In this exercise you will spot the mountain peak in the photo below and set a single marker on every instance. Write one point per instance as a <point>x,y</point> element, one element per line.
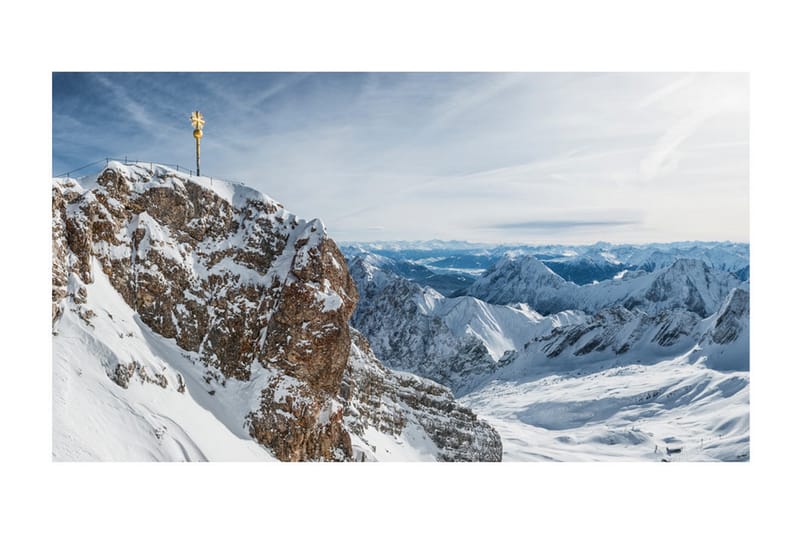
<point>688,264</point>
<point>528,266</point>
<point>173,281</point>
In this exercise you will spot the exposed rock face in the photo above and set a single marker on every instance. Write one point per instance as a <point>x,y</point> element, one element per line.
<point>59,251</point>
<point>732,319</point>
<point>617,330</point>
<point>393,401</point>
<point>299,423</point>
<point>405,331</point>
<point>727,340</point>
<point>230,275</point>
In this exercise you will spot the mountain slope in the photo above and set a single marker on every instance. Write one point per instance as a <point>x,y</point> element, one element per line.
<point>178,304</point>
<point>453,341</point>
<point>523,278</point>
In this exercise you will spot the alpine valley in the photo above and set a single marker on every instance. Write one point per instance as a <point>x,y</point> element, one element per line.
<point>198,319</point>
<point>599,352</point>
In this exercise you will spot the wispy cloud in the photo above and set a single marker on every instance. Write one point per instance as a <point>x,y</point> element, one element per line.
<point>658,157</point>
<point>665,91</point>
<point>561,224</point>
<point>132,109</point>
<point>442,155</point>
<point>463,100</point>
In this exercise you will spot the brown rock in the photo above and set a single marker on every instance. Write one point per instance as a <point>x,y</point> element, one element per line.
<point>152,231</point>
<point>247,285</point>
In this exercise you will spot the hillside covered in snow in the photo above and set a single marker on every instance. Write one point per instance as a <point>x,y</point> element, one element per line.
<point>203,321</point>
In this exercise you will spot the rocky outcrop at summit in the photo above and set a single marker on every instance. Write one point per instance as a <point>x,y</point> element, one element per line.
<point>230,275</point>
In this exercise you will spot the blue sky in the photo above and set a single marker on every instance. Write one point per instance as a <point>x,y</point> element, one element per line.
<point>490,157</point>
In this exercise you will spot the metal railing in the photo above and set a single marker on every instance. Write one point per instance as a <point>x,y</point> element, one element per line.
<point>105,161</point>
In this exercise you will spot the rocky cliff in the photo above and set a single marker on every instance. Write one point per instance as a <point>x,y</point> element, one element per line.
<point>251,294</point>
<point>396,402</point>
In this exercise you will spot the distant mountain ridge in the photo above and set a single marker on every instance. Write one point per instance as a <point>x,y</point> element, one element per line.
<point>581,264</point>
<point>688,283</point>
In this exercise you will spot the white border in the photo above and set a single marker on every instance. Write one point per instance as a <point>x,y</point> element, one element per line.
<point>420,36</point>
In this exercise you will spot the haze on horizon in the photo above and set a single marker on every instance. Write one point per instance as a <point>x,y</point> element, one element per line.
<point>568,158</point>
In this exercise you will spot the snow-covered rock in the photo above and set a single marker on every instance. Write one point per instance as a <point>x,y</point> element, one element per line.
<point>725,344</point>
<point>586,268</point>
<point>449,340</point>
<point>524,278</point>
<point>400,416</point>
<point>727,257</point>
<point>216,303</point>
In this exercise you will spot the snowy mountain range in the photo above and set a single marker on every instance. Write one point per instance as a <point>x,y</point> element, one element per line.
<point>685,283</point>
<point>681,332</point>
<point>203,321</point>
<point>581,264</point>
<point>450,340</point>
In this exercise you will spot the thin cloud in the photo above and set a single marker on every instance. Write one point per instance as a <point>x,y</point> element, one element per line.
<point>466,100</point>
<point>658,158</point>
<point>562,224</point>
<point>442,154</point>
<point>665,91</point>
<point>133,109</point>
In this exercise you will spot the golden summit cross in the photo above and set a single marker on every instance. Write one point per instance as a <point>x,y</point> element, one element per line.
<point>198,122</point>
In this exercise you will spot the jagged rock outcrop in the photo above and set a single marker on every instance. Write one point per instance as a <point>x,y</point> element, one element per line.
<point>59,251</point>
<point>418,330</point>
<point>727,339</point>
<point>395,401</point>
<point>631,335</point>
<point>732,318</point>
<point>231,276</point>
<point>618,330</point>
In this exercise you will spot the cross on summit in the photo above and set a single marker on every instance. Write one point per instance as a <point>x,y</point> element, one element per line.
<point>197,120</point>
